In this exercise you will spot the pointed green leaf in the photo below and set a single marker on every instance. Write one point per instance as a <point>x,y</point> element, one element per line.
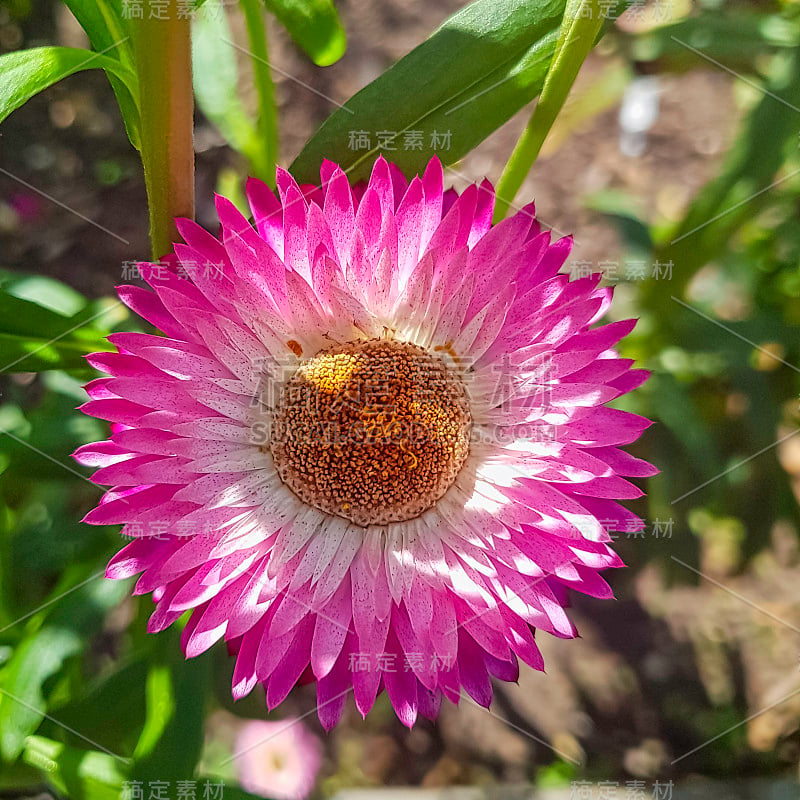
<point>104,25</point>
<point>25,73</point>
<point>447,95</point>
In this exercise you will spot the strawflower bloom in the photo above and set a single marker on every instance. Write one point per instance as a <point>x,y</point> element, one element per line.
<point>278,759</point>
<point>371,449</point>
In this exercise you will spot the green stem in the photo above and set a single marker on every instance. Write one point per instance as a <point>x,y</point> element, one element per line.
<point>582,22</point>
<point>519,165</point>
<point>162,47</point>
<point>265,156</point>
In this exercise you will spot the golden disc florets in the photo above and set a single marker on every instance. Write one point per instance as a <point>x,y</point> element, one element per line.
<point>373,431</point>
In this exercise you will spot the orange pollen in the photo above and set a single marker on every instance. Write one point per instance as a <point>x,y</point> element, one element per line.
<point>373,431</point>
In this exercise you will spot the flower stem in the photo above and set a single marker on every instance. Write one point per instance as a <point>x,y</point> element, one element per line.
<point>265,156</point>
<point>580,26</point>
<point>162,47</point>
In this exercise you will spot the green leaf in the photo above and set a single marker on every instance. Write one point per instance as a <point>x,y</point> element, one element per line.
<point>216,79</point>
<point>22,702</point>
<point>736,38</point>
<point>35,338</point>
<point>112,710</point>
<point>767,137</point>
<point>78,774</point>
<point>44,291</point>
<point>472,75</point>
<point>104,25</point>
<point>160,709</point>
<point>36,447</point>
<point>314,25</point>
<point>172,739</point>
<point>25,73</point>
<point>41,655</point>
<point>624,212</point>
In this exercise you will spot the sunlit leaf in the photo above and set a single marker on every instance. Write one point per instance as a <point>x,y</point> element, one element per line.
<point>22,703</point>
<point>44,291</point>
<point>25,73</point>
<point>104,25</point>
<point>78,774</point>
<point>314,25</point>
<point>34,338</point>
<point>447,95</point>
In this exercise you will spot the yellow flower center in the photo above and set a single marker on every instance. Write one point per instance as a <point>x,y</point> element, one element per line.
<point>373,431</point>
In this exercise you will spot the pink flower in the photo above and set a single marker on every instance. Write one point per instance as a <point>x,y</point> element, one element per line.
<point>371,448</point>
<point>278,759</point>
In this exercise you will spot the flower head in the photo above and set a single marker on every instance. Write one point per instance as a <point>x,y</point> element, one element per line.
<point>371,448</point>
<point>278,759</point>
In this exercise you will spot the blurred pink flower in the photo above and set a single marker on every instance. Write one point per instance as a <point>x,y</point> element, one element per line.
<point>278,759</point>
<point>27,206</point>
